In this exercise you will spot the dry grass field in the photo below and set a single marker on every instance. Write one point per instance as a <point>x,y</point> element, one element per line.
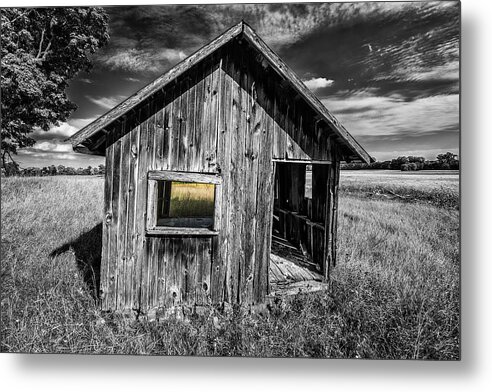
<point>191,199</point>
<point>395,291</point>
<point>437,187</point>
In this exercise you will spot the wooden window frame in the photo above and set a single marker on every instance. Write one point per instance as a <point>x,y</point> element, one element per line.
<point>166,175</point>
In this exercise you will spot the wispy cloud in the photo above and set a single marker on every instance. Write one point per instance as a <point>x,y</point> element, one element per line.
<point>106,102</point>
<point>48,154</point>
<point>142,60</point>
<point>392,124</point>
<point>367,115</point>
<point>139,34</point>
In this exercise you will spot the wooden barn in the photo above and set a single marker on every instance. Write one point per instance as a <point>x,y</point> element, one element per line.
<point>205,190</point>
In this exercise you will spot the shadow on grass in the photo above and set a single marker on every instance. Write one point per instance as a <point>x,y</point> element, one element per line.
<point>87,249</point>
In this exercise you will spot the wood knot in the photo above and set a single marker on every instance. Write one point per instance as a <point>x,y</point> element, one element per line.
<point>250,155</point>
<point>134,150</point>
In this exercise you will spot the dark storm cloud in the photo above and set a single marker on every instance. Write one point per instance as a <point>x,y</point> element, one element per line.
<point>154,38</point>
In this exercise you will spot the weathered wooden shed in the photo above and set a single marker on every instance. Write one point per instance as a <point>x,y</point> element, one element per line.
<point>232,116</point>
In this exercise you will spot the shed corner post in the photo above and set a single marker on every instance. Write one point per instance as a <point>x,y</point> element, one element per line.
<point>331,217</point>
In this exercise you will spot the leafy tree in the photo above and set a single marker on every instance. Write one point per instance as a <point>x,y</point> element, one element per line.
<point>41,50</point>
<point>448,161</point>
<point>398,162</point>
<point>412,166</point>
<point>69,170</point>
<point>10,168</point>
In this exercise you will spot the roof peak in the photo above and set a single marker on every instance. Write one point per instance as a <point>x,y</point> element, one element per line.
<point>83,140</point>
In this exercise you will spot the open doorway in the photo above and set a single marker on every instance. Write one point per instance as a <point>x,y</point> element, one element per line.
<point>298,230</point>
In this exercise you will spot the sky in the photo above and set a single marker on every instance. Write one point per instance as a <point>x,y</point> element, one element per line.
<point>388,71</point>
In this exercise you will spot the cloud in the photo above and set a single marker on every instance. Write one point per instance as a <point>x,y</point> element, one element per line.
<point>142,60</point>
<point>396,64</point>
<point>383,116</point>
<point>150,38</point>
<point>79,123</point>
<point>407,48</point>
<point>62,131</point>
<point>393,124</point>
<point>36,157</point>
<point>39,153</point>
<point>318,83</point>
<point>52,155</point>
<point>106,102</point>
<point>450,71</point>
<point>53,146</point>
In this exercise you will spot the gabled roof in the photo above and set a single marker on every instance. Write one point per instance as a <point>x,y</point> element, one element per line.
<point>83,139</point>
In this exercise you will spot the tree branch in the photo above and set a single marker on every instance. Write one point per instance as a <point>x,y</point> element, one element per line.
<point>18,16</point>
<point>40,44</point>
<point>47,49</point>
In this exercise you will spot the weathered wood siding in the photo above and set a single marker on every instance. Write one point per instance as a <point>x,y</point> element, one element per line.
<point>230,116</point>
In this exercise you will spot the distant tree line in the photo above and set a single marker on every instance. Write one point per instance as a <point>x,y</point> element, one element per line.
<point>53,170</point>
<point>447,161</point>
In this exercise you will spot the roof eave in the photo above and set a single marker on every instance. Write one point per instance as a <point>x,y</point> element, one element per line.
<point>153,87</point>
<point>284,71</point>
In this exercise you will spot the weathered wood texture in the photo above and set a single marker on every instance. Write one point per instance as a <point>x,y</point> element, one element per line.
<point>229,116</point>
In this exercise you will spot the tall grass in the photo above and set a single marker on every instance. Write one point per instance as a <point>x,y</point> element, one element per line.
<point>395,291</point>
<point>191,199</point>
<point>439,188</point>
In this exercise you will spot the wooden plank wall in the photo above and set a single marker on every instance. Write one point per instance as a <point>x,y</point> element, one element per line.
<point>177,130</point>
<point>225,116</point>
<point>298,135</point>
<point>245,159</point>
